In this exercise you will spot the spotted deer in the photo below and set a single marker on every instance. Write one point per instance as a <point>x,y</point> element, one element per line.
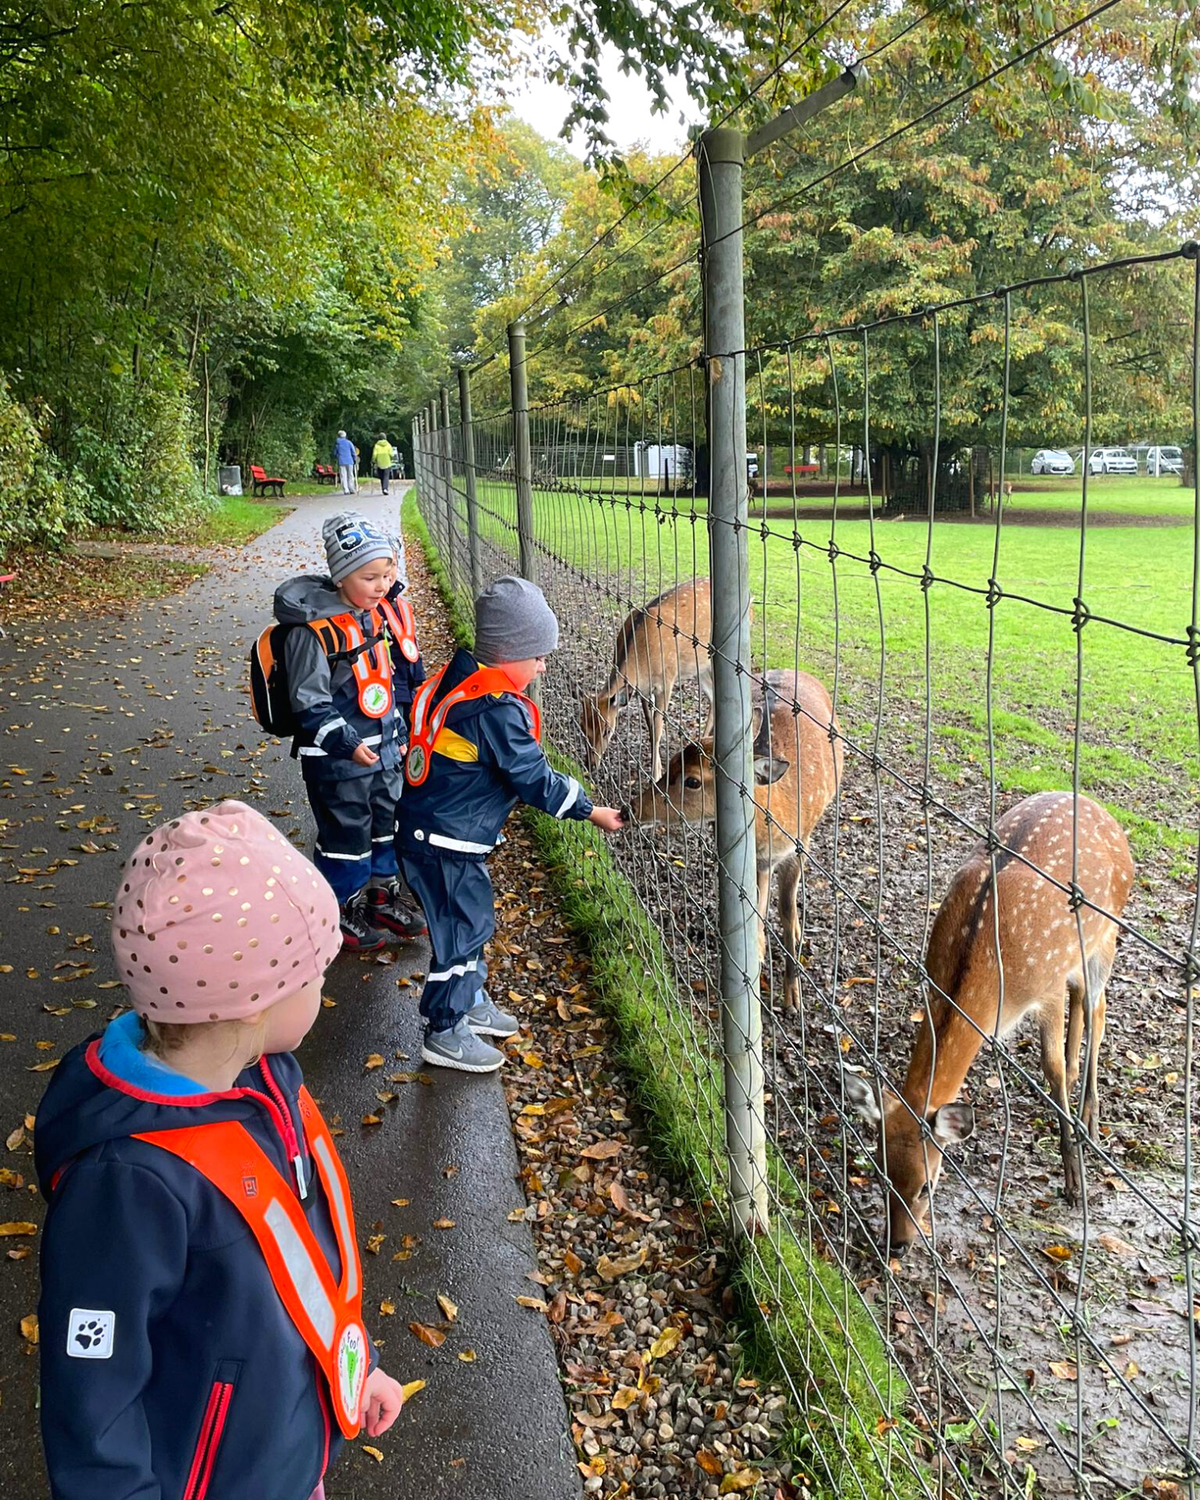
<point>1041,968</point>
<point>797,766</point>
<point>656,648</point>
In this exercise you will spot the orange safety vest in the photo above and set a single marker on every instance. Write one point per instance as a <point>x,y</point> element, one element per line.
<point>427,726</point>
<point>327,1314</point>
<point>372,666</point>
<point>403,623</point>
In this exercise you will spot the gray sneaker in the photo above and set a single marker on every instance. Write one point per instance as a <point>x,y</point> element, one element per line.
<point>485,1018</point>
<point>460,1048</point>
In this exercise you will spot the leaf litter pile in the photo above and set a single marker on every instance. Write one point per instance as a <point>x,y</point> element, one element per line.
<point>628,1277</point>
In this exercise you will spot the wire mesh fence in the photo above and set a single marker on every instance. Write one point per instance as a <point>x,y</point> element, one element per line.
<point>978,1260</point>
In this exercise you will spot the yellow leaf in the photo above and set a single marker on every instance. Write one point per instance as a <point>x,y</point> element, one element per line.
<point>665,1342</point>
<point>443,1223</point>
<point>401,1202</point>
<point>532,1060</point>
<point>18,1227</point>
<point>1057,1252</point>
<point>374,1452</point>
<point>434,1337</point>
<point>449,1310</point>
<point>44,1067</point>
<point>15,1138</point>
<point>410,1390</point>
<point>534,1302</point>
<point>572,1262</point>
<point>624,1398</point>
<point>709,1462</point>
<point>29,1328</point>
<point>374,1241</point>
<point>744,1479</point>
<point>387,1308</point>
<point>610,1269</point>
<point>467,1356</point>
<point>372,1119</point>
<point>374,1061</point>
<point>1063,1369</point>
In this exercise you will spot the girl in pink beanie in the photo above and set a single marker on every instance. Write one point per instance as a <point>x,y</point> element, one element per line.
<point>200,1315</point>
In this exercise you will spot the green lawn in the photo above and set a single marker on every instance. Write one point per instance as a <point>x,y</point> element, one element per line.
<point>234,520</point>
<point>1142,496</point>
<point>1140,740</point>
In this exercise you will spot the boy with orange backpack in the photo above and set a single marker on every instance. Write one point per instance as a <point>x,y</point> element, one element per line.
<point>341,688</point>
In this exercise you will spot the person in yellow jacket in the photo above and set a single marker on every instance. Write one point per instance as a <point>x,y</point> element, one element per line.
<point>382,460</point>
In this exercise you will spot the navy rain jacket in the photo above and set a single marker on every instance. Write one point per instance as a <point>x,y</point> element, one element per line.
<point>486,761</point>
<point>324,696</point>
<point>198,1332</point>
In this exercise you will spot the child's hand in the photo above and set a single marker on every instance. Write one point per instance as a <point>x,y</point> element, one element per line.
<point>608,818</point>
<point>382,1399</point>
<point>364,755</point>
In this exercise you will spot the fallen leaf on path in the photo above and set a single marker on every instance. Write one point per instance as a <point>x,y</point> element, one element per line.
<point>603,1150</point>
<point>443,1223</point>
<point>29,1328</point>
<point>374,1452</point>
<point>625,1398</point>
<point>468,1356</point>
<point>434,1337</point>
<point>610,1269</point>
<point>535,1303</point>
<point>387,1308</point>
<point>17,1226</point>
<point>1114,1245</point>
<point>665,1342</point>
<point>409,1390</point>
<point>449,1310</point>
<point>372,1119</point>
<point>374,1241</point>
<point>744,1479</point>
<point>375,1060</point>
<point>15,1138</point>
<point>1063,1369</point>
<point>708,1461</point>
<point>1057,1252</point>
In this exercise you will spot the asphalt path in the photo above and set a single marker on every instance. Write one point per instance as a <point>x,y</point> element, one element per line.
<point>108,726</point>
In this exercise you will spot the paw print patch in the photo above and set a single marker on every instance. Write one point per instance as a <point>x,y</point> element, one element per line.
<point>90,1333</point>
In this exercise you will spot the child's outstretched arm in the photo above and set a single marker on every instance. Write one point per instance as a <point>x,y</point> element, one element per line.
<point>114,1253</point>
<point>531,776</point>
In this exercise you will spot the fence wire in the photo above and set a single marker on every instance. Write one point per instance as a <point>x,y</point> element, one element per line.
<point>934,643</point>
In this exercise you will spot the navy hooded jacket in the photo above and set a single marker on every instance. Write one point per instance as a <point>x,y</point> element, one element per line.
<point>169,1367</point>
<point>486,761</point>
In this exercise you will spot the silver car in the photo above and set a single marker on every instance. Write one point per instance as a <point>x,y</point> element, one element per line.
<point>1112,461</point>
<point>1052,461</point>
<point>1164,461</point>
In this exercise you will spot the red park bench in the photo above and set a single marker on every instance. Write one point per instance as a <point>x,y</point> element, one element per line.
<point>261,482</point>
<point>324,474</point>
<point>802,468</point>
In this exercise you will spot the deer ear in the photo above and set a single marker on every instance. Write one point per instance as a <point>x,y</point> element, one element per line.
<point>952,1123</point>
<point>769,768</point>
<point>862,1096</point>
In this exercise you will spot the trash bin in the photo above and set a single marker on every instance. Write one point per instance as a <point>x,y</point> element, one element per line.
<point>229,479</point>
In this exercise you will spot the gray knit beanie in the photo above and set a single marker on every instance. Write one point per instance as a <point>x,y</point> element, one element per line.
<point>351,542</point>
<point>513,622</point>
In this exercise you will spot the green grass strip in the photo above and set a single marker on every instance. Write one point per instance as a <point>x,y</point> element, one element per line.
<point>804,1321</point>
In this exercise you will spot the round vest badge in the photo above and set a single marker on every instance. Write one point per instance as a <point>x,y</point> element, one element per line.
<point>375,700</point>
<point>409,648</point>
<point>351,1368</point>
<point>416,763</point>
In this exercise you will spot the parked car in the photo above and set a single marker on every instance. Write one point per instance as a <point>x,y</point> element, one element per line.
<point>1112,461</point>
<point>1052,461</point>
<point>1164,461</point>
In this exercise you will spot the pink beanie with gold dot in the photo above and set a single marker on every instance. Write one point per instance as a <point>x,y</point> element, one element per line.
<point>217,917</point>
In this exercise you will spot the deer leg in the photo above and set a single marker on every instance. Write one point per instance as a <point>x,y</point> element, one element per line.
<point>1055,1073</point>
<point>1099,968</point>
<point>1076,1011</point>
<point>789,919</point>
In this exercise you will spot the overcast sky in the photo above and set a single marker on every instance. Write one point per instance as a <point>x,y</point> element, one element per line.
<point>544,106</point>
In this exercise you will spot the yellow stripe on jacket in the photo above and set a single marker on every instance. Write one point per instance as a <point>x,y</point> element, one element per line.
<point>454,747</point>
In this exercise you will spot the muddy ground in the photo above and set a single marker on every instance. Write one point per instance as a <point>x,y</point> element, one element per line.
<point>1050,1349</point>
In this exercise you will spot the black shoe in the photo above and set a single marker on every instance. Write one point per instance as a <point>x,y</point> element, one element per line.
<point>358,933</point>
<point>385,909</point>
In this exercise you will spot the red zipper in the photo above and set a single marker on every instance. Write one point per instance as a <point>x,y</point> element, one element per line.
<point>291,1142</point>
<point>211,1430</point>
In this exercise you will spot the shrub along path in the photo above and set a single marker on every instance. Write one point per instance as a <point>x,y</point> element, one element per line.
<point>108,725</point>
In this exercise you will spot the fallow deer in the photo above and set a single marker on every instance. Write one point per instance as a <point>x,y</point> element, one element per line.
<point>663,643</point>
<point>1041,968</point>
<point>797,766</point>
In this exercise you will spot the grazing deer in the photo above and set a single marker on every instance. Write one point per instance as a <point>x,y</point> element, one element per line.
<point>797,767</point>
<point>1041,965</point>
<point>655,648</point>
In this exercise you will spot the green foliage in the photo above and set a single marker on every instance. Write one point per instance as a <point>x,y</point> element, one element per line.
<point>38,503</point>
